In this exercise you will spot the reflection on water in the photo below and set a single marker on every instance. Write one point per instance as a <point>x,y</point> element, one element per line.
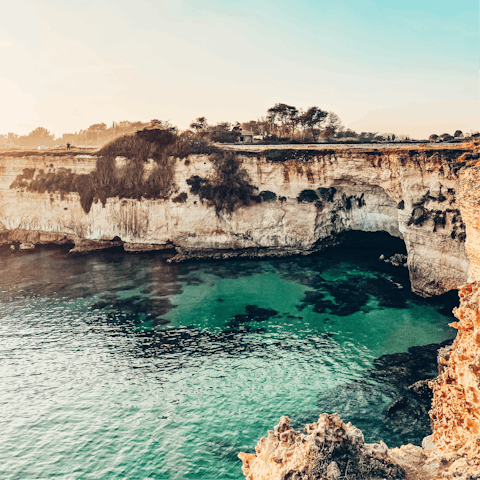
<point>116,365</point>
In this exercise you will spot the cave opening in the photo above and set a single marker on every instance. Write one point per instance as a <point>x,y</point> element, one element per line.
<point>367,248</point>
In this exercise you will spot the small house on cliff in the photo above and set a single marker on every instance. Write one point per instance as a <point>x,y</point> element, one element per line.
<point>246,136</point>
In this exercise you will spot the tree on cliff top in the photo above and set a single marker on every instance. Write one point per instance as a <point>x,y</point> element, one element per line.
<point>200,126</point>
<point>283,118</point>
<point>97,128</point>
<point>38,136</point>
<point>313,119</point>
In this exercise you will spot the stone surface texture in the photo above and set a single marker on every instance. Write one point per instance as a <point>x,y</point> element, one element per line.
<point>409,193</point>
<point>468,199</point>
<point>456,391</point>
<point>328,448</point>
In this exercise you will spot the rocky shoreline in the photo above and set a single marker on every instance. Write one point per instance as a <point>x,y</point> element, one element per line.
<point>330,449</point>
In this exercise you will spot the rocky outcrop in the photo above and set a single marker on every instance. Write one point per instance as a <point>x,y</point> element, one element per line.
<point>456,391</point>
<point>306,199</point>
<point>328,448</point>
<point>451,452</point>
<point>468,200</point>
<point>84,246</point>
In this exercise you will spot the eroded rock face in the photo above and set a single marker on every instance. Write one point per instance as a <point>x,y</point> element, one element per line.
<point>468,199</point>
<point>307,198</point>
<point>456,403</point>
<point>328,448</point>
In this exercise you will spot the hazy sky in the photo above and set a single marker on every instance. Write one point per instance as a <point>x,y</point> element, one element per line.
<point>407,66</point>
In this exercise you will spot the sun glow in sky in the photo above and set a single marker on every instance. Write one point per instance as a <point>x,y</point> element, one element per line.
<point>403,67</point>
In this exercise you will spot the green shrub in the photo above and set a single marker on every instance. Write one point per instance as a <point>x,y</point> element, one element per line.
<point>182,198</point>
<point>307,196</point>
<point>268,196</point>
<point>327,194</point>
<point>228,188</point>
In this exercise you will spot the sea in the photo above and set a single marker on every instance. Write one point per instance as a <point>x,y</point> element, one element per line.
<point>116,365</point>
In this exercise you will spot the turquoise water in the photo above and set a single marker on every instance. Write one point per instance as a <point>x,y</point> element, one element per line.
<point>123,366</point>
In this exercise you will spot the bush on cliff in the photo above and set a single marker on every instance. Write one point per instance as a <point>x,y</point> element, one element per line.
<point>267,196</point>
<point>228,188</point>
<point>110,180</point>
<point>307,196</point>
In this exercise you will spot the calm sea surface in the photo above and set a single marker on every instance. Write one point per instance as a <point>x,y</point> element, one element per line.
<point>124,366</point>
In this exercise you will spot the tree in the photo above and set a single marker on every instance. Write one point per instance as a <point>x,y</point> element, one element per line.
<point>38,136</point>
<point>333,120</point>
<point>286,115</point>
<point>329,132</point>
<point>446,137</point>
<point>42,133</point>
<point>12,138</point>
<point>223,133</point>
<point>313,119</point>
<point>368,136</point>
<point>97,128</point>
<point>458,134</point>
<point>154,123</point>
<point>348,133</point>
<point>200,126</point>
<point>433,138</point>
<point>393,137</point>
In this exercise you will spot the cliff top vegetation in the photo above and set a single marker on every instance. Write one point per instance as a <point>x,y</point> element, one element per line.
<point>282,123</point>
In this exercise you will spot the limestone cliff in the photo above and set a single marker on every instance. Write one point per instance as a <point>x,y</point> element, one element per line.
<point>307,198</point>
<point>468,200</point>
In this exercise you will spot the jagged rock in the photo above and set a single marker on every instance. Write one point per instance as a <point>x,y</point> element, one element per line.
<point>146,247</point>
<point>397,405</point>
<point>396,260</point>
<point>327,448</point>
<point>427,443</point>
<point>27,246</point>
<point>421,388</point>
<point>333,472</point>
<point>12,247</point>
<point>83,246</point>
<point>456,392</point>
<point>443,356</point>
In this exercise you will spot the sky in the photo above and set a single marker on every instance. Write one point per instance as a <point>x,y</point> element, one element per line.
<point>404,67</point>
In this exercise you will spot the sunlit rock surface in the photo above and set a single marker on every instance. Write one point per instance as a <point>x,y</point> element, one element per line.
<point>328,448</point>
<point>456,403</point>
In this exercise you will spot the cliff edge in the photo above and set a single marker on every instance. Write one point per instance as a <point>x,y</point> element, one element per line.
<point>264,202</point>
